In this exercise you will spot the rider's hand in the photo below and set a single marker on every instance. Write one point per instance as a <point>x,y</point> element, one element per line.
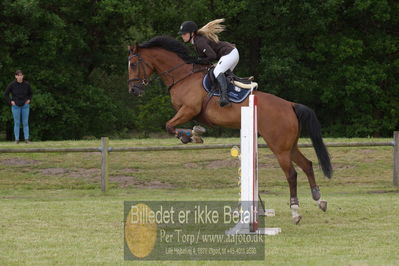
<point>202,61</point>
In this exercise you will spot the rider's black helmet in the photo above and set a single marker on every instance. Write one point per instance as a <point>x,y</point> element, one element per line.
<point>187,26</point>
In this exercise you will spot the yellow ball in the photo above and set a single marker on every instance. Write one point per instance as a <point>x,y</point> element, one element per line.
<point>235,151</point>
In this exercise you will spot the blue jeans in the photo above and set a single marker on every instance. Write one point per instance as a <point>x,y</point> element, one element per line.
<point>17,112</point>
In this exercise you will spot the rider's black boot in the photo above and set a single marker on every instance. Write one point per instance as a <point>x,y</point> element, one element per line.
<point>224,100</point>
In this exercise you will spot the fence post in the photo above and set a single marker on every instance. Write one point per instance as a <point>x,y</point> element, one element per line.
<point>396,158</point>
<point>104,164</point>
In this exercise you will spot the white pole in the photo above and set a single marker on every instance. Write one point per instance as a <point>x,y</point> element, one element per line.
<point>249,173</point>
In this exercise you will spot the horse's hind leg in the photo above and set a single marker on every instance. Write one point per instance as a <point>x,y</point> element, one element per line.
<point>284,160</point>
<point>307,167</point>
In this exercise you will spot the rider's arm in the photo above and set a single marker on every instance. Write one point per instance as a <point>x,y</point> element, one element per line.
<point>204,49</point>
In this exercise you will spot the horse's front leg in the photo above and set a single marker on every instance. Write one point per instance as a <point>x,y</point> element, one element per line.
<point>184,115</point>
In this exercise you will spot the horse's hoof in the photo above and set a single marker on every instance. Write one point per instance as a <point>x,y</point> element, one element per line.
<point>198,130</point>
<point>296,219</point>
<point>197,139</point>
<point>185,139</point>
<point>323,205</point>
<point>315,193</point>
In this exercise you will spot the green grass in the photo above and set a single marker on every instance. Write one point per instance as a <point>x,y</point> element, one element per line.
<point>53,212</point>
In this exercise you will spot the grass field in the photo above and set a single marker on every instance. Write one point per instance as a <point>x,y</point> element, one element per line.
<point>53,212</point>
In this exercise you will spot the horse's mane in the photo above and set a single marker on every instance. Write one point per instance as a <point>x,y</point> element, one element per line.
<point>170,44</point>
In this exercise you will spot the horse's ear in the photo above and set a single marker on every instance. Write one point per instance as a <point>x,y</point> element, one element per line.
<point>132,49</point>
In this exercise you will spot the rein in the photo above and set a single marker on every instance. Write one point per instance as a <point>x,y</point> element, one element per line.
<point>145,81</point>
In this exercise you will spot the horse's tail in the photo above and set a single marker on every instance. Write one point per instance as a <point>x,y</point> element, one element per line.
<point>308,119</point>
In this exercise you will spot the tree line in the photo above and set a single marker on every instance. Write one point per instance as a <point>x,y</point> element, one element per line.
<point>339,57</point>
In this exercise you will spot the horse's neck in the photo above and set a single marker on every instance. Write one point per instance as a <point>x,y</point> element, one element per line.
<point>168,65</point>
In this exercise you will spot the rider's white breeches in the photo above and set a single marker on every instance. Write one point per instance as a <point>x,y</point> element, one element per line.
<point>227,62</point>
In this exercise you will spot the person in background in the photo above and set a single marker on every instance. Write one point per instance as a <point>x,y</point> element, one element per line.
<point>21,96</point>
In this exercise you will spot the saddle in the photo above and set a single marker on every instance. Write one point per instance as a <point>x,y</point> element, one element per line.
<point>238,88</point>
<point>245,83</point>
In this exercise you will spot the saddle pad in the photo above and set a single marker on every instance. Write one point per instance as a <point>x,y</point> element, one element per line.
<point>236,94</point>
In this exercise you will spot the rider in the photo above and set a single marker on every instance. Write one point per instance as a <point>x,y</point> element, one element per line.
<point>209,48</point>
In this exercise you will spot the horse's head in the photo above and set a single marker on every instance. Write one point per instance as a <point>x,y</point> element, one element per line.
<point>139,72</point>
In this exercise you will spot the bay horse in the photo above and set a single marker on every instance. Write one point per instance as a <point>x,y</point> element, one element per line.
<point>279,121</point>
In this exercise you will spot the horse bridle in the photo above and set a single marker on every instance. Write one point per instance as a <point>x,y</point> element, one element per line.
<point>144,81</point>
<point>141,64</point>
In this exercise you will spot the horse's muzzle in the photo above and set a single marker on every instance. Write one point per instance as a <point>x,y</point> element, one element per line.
<point>136,90</point>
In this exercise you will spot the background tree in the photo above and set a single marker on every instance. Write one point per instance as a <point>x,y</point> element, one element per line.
<point>340,57</point>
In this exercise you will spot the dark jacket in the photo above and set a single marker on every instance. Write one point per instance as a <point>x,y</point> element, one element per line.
<point>209,50</point>
<point>21,92</point>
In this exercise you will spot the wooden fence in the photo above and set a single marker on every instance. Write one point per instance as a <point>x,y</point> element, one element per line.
<point>105,149</point>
